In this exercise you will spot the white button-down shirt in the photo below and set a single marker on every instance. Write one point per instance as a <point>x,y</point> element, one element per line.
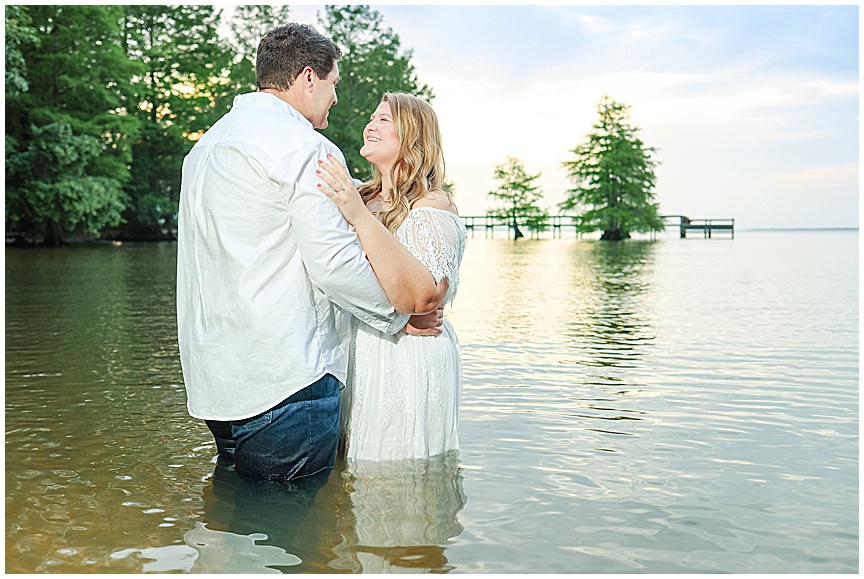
<point>268,270</point>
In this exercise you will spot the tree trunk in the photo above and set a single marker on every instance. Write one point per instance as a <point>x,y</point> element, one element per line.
<point>169,217</point>
<point>516,232</point>
<point>169,227</point>
<point>53,235</point>
<point>614,234</point>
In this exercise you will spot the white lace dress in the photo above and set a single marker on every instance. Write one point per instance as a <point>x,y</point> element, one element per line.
<point>403,392</point>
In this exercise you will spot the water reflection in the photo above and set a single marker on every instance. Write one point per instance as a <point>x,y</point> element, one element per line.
<point>298,517</point>
<point>733,450</point>
<point>92,393</point>
<point>208,551</point>
<point>609,334</point>
<point>610,327</point>
<point>405,513</point>
<point>383,517</point>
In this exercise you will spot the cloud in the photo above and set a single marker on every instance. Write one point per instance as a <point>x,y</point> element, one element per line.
<point>825,176</point>
<point>592,24</point>
<point>742,102</point>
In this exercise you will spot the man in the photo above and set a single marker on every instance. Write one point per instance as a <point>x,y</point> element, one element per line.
<point>268,271</point>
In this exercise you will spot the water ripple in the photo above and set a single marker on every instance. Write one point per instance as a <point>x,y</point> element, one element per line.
<point>665,407</point>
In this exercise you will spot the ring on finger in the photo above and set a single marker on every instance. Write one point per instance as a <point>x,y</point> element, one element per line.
<point>342,188</point>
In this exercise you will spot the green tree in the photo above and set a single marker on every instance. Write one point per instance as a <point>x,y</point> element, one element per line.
<point>19,32</point>
<point>613,177</point>
<point>68,135</point>
<point>183,90</point>
<point>372,64</point>
<point>518,195</point>
<point>59,192</point>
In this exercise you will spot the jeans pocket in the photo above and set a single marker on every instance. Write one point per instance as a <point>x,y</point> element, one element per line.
<point>254,423</point>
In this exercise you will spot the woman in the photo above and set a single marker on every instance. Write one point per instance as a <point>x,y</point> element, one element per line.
<point>403,392</point>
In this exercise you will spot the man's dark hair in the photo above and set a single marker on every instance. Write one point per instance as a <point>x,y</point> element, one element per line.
<point>287,50</point>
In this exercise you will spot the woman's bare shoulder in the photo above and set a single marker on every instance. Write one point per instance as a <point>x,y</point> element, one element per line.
<point>437,200</point>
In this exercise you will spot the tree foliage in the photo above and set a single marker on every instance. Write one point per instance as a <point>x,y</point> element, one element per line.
<point>103,103</point>
<point>613,177</point>
<point>60,193</point>
<point>68,143</point>
<point>181,92</point>
<point>19,33</point>
<point>373,63</point>
<point>518,196</point>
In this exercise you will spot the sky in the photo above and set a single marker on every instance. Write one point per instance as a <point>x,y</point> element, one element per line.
<point>753,110</point>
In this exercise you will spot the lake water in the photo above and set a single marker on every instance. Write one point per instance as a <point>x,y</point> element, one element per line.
<point>666,406</point>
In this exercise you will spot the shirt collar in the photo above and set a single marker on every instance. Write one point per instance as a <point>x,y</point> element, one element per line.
<point>266,100</point>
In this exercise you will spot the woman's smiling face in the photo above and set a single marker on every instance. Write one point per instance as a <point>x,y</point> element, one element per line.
<point>380,141</point>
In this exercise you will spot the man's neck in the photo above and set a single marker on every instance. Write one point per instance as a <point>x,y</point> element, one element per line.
<point>289,96</point>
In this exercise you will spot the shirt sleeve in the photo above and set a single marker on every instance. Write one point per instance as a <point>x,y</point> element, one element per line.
<point>329,246</point>
<point>437,242</point>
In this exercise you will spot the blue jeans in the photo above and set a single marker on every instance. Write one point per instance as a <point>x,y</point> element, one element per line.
<point>296,438</point>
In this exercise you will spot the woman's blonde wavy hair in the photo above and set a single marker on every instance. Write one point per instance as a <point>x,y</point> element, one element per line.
<point>419,166</point>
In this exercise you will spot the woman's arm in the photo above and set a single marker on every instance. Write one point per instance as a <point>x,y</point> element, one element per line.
<point>407,283</point>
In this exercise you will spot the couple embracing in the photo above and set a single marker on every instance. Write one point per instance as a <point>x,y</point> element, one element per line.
<point>292,284</point>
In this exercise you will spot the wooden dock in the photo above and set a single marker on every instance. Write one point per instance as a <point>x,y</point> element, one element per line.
<point>557,223</point>
<point>706,226</point>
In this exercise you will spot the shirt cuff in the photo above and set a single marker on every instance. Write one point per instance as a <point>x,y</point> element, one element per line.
<point>397,324</point>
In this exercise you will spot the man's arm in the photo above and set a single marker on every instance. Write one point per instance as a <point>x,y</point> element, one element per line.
<point>330,250</point>
<point>408,283</point>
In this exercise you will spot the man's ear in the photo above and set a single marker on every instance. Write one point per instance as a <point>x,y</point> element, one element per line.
<point>304,79</point>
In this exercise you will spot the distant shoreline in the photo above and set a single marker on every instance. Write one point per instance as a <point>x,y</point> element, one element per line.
<point>801,229</point>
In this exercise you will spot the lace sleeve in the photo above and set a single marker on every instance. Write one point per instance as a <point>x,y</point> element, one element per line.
<point>437,239</point>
